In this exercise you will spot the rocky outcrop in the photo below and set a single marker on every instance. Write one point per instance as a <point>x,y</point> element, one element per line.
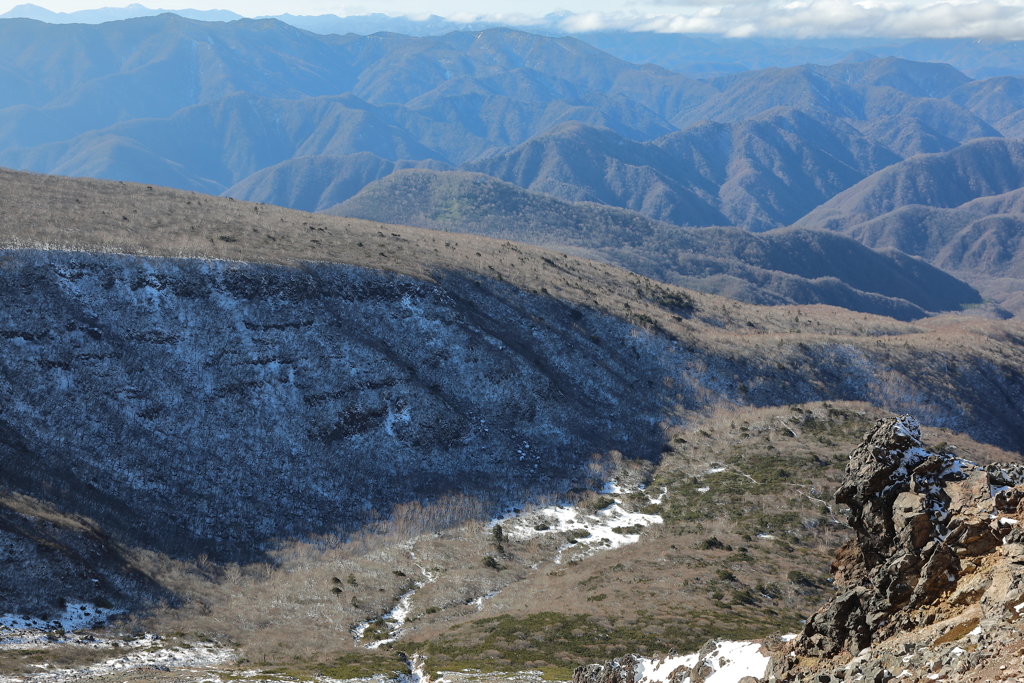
<point>623,670</point>
<point>938,556</point>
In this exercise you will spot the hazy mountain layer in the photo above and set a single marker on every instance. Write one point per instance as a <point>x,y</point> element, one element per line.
<point>154,66</point>
<point>797,267</point>
<point>202,106</point>
<point>682,52</point>
<point>960,210</point>
<point>757,174</point>
<point>889,90</point>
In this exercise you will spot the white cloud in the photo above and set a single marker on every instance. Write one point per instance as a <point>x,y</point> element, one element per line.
<point>1000,19</point>
<point>815,18</point>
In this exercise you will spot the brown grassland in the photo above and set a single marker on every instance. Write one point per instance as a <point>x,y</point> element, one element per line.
<point>749,531</point>
<point>749,523</point>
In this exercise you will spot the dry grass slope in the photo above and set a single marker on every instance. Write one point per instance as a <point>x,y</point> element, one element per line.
<point>749,526</point>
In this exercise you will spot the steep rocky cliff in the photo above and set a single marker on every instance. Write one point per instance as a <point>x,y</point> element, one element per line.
<point>932,586</point>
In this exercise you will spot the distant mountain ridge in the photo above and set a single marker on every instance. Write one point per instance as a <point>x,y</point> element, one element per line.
<point>978,169</point>
<point>790,266</point>
<point>104,14</point>
<point>262,110</point>
<point>692,54</point>
<point>760,173</point>
<point>961,210</point>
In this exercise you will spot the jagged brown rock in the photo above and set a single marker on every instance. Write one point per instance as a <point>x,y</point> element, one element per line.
<point>937,558</point>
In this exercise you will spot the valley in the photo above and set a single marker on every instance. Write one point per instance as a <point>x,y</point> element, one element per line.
<point>493,356</point>
<point>207,347</point>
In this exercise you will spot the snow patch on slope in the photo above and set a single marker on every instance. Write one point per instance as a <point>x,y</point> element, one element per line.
<point>76,615</point>
<point>395,619</point>
<point>727,661</point>
<point>590,531</point>
<point>661,670</point>
<point>145,653</point>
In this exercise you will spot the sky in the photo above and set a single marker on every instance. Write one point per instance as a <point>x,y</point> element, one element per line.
<point>1002,19</point>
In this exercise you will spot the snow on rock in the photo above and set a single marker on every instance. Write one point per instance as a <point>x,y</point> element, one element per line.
<point>729,661</point>
<point>417,671</point>
<point>661,670</point>
<point>76,615</point>
<point>719,661</point>
<point>393,620</point>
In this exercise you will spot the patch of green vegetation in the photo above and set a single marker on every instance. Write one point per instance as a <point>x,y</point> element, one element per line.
<point>362,665</point>
<point>564,641</point>
<point>601,502</point>
<point>713,544</point>
<point>677,302</point>
<point>378,630</point>
<point>61,656</point>
<point>550,672</point>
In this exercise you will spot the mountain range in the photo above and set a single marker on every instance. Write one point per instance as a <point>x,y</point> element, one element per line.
<point>698,55</point>
<point>257,423</point>
<point>263,111</point>
<point>470,360</point>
